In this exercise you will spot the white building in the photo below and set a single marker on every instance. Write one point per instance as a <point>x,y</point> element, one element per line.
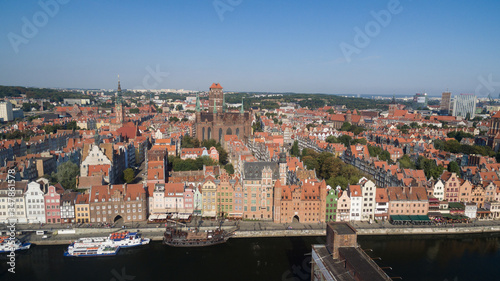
<point>96,156</point>
<point>35,203</point>
<point>465,104</point>
<point>6,113</point>
<point>381,204</point>
<point>356,202</point>
<point>13,208</point>
<point>438,190</point>
<point>368,190</point>
<point>166,198</point>
<point>471,210</point>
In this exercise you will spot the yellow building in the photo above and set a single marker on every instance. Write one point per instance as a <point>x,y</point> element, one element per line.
<point>209,193</point>
<point>225,192</point>
<point>101,122</point>
<point>82,208</point>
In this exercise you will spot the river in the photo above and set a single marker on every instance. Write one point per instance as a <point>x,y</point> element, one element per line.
<point>460,258</point>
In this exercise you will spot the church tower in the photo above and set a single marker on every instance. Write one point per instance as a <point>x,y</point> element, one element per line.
<point>216,98</point>
<point>120,113</point>
<point>393,106</point>
<point>283,168</point>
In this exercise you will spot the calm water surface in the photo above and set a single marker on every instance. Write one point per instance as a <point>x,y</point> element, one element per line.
<point>472,257</point>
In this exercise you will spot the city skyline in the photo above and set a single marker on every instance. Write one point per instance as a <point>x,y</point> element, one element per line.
<point>382,48</point>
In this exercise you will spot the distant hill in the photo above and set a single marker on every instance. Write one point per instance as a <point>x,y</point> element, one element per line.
<point>312,101</point>
<point>38,93</point>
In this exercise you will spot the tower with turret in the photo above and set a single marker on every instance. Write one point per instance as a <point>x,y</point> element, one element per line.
<point>216,98</point>
<point>119,110</point>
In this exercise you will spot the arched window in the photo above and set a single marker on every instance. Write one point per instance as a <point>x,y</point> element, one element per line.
<point>229,131</point>
<point>209,134</point>
<point>238,132</point>
<point>220,134</point>
<point>203,134</point>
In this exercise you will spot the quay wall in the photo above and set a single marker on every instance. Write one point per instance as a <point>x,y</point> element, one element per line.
<point>156,234</point>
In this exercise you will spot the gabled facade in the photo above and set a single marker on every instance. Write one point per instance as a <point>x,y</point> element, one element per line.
<point>35,203</point>
<point>354,192</point>
<point>52,205</point>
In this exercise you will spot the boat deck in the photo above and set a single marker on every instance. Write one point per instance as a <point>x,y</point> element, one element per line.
<point>196,235</point>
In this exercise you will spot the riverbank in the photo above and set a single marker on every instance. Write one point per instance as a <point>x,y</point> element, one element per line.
<point>256,230</point>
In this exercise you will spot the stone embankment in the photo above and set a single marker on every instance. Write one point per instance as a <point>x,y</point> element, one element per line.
<point>156,234</point>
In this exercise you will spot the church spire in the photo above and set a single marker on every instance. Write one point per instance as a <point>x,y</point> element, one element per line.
<point>242,110</point>
<point>197,103</point>
<point>119,92</point>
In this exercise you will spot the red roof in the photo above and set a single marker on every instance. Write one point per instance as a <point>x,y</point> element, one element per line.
<point>216,86</point>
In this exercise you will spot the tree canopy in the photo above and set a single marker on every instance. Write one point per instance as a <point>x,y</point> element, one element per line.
<point>128,175</point>
<point>66,174</point>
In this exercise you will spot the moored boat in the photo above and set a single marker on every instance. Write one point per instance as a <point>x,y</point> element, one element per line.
<point>101,250</point>
<point>105,246</point>
<point>9,244</point>
<point>194,238</point>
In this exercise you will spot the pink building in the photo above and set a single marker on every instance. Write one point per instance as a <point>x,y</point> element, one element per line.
<point>214,154</point>
<point>407,200</point>
<point>451,186</point>
<point>189,199</point>
<point>52,204</point>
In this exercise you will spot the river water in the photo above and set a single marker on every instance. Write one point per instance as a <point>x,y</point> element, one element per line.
<point>460,258</point>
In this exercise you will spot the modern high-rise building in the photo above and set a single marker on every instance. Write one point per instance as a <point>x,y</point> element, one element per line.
<point>445,102</point>
<point>6,113</point>
<point>465,104</point>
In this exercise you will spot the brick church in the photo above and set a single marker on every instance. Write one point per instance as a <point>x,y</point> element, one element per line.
<point>218,121</point>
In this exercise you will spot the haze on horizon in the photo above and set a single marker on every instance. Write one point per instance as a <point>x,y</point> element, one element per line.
<point>259,46</point>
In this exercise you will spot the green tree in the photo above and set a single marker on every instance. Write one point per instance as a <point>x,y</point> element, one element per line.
<point>346,126</point>
<point>66,174</point>
<point>414,125</point>
<point>229,168</point>
<point>454,168</point>
<point>179,107</point>
<point>72,126</point>
<point>331,139</point>
<point>294,151</point>
<point>406,163</point>
<point>310,162</point>
<point>173,119</point>
<point>189,142</point>
<point>134,110</point>
<point>128,175</point>
<point>345,140</point>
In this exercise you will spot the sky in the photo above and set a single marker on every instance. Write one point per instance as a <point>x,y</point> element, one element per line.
<point>334,47</point>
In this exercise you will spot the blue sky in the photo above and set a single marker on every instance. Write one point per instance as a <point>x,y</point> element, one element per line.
<point>254,45</point>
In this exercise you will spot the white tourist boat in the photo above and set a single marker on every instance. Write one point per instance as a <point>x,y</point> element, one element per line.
<point>104,246</point>
<point>8,245</point>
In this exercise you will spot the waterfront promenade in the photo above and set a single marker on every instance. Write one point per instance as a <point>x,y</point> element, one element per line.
<point>246,229</point>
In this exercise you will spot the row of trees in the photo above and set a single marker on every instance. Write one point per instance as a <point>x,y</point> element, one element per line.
<point>348,127</point>
<point>54,128</point>
<point>345,140</point>
<point>38,93</point>
<point>330,168</point>
<point>382,154</point>
<point>459,135</point>
<point>189,142</point>
<point>178,164</point>
<point>454,146</point>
